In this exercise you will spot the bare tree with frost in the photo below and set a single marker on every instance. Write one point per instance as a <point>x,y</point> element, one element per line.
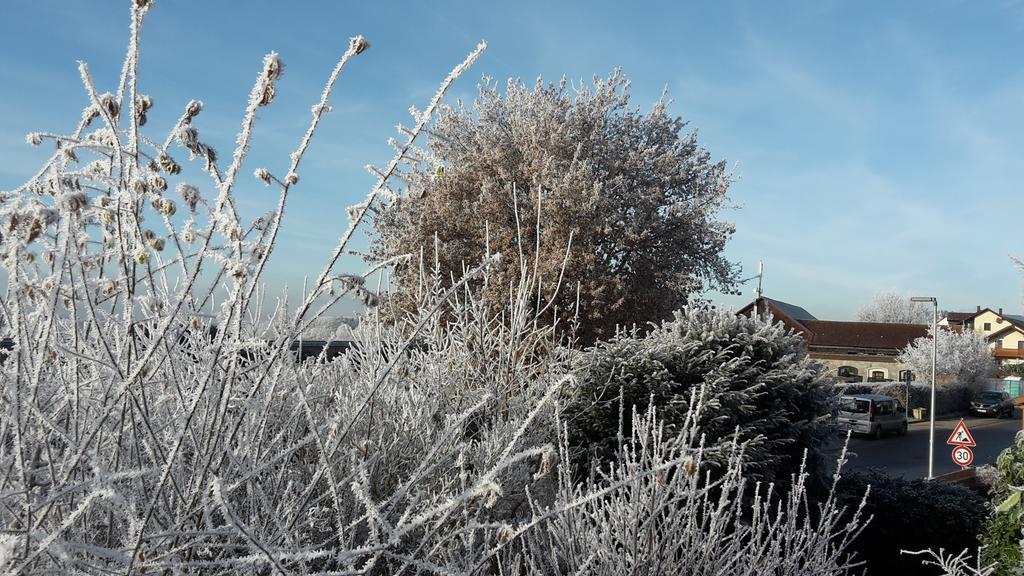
<point>892,308</point>
<point>620,208</point>
<point>964,357</point>
<point>134,439</point>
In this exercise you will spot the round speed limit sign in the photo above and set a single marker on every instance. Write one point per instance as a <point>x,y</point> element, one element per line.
<point>963,456</point>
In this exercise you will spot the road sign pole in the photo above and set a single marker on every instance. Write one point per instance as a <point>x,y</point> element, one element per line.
<point>907,375</point>
<point>931,407</point>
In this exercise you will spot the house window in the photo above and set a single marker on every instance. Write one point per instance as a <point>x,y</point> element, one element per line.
<point>877,376</point>
<point>846,371</point>
<point>987,326</point>
<point>906,375</point>
<point>1020,345</point>
<point>999,344</point>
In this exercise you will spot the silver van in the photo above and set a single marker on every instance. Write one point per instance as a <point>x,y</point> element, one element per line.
<point>872,414</point>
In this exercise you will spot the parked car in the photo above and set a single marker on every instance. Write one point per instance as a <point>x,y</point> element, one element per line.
<point>993,402</point>
<point>872,414</point>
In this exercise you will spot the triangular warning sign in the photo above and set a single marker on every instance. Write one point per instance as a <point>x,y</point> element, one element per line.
<point>961,436</point>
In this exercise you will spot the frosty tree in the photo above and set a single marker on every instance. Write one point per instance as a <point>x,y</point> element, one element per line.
<point>628,201</point>
<point>890,307</point>
<point>963,356</point>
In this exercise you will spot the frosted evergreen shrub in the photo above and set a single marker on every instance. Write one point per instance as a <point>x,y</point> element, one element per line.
<point>758,380</point>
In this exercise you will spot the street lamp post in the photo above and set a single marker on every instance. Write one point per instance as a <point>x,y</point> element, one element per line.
<point>931,409</point>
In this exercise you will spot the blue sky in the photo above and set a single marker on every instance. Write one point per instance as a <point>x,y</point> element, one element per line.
<point>877,145</point>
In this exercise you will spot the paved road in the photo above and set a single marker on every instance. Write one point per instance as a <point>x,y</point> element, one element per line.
<point>907,456</point>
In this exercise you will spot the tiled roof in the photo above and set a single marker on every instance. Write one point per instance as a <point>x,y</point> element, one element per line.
<point>792,310</point>
<point>873,335</point>
<point>1012,318</point>
<point>958,317</point>
<point>781,311</point>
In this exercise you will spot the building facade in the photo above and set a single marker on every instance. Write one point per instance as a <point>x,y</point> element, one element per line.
<point>852,351</point>
<point>1004,333</point>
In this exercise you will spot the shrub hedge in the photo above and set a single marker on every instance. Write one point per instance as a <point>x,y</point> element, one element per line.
<point>949,398</point>
<point>911,515</point>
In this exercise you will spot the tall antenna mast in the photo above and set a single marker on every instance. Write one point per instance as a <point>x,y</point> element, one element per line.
<point>760,276</point>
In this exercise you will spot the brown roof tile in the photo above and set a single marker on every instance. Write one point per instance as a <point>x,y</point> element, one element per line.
<point>874,335</point>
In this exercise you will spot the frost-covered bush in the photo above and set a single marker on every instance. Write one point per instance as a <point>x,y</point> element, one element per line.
<point>758,378</point>
<point>619,209</point>
<point>656,510</point>
<point>912,515</point>
<point>1003,536</point>
<point>960,356</point>
<point>136,439</point>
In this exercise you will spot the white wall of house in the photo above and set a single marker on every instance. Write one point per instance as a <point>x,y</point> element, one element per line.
<point>865,367</point>
<point>988,322</point>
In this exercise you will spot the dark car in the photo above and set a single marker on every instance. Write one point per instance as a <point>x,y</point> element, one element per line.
<point>993,402</point>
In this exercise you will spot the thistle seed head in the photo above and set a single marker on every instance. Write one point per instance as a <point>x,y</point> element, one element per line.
<point>164,206</point>
<point>188,234</point>
<point>140,255</point>
<point>262,174</point>
<point>189,194</point>
<point>74,201</point>
<point>358,44</point>
<point>109,104</point>
<point>273,66</point>
<point>168,164</point>
<point>158,183</point>
<point>272,70</point>
<point>193,109</point>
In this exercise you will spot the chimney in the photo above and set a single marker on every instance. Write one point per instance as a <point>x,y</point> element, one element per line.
<point>1000,310</point>
<point>979,309</point>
